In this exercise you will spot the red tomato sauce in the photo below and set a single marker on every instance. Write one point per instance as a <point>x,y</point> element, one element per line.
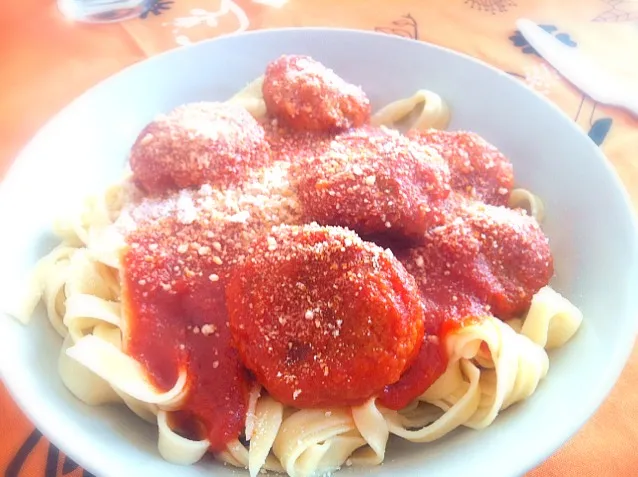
<point>174,273</point>
<point>459,260</point>
<point>447,308</point>
<point>184,325</point>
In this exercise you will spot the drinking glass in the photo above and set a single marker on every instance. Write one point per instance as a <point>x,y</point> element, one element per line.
<point>101,11</point>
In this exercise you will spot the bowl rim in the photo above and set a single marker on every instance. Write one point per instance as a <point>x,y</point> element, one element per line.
<point>554,440</point>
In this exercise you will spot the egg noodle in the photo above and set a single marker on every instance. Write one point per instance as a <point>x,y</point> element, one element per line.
<point>492,364</point>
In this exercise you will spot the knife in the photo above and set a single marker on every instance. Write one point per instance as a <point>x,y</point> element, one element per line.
<point>578,69</point>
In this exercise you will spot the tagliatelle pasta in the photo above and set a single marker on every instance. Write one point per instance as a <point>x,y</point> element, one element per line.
<point>175,448</point>
<point>251,98</point>
<point>526,200</point>
<point>552,320</point>
<point>423,110</point>
<point>490,364</point>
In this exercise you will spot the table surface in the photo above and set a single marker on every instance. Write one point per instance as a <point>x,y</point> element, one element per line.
<point>46,61</point>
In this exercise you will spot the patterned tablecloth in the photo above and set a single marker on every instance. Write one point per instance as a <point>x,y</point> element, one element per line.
<point>46,61</point>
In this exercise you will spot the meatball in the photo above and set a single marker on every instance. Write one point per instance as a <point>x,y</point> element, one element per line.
<point>323,318</point>
<point>305,95</point>
<point>195,144</point>
<point>478,169</point>
<point>485,260</point>
<point>487,257</point>
<point>374,181</point>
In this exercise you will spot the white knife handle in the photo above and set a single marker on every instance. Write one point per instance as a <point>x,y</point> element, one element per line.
<point>579,69</point>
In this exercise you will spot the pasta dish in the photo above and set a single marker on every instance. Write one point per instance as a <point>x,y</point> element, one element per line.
<point>285,279</point>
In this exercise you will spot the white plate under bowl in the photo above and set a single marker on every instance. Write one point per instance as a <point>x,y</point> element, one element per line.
<point>589,222</point>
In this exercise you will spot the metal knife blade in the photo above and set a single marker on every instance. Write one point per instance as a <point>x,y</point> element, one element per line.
<point>578,69</point>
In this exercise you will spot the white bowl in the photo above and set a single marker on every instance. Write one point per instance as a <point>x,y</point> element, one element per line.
<point>589,222</point>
